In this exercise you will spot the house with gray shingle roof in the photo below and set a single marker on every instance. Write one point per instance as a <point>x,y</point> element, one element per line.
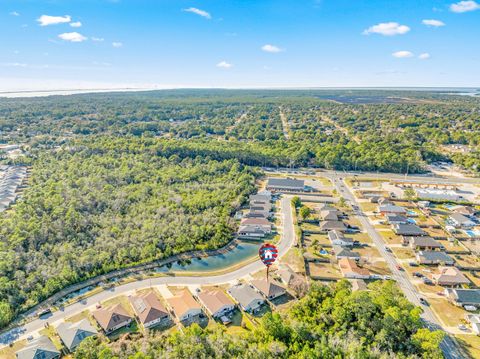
<point>462,297</point>
<point>248,298</point>
<point>434,257</point>
<point>285,185</point>
<point>72,334</point>
<point>342,252</point>
<point>40,348</point>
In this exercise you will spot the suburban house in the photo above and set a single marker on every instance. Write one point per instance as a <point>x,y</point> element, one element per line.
<point>329,215</point>
<point>434,257</point>
<point>463,297</point>
<point>408,230</point>
<point>465,210</point>
<point>260,222</point>
<point>40,348</point>
<point>396,219</point>
<point>216,302</point>
<point>450,277</point>
<point>338,238</point>
<point>350,269</point>
<point>260,199</point>
<point>386,209</point>
<point>423,243</point>
<point>341,252</point>
<point>288,276</point>
<point>267,207</point>
<point>184,306</point>
<point>73,334</point>
<point>257,214</point>
<point>271,289</point>
<point>333,225</point>
<point>248,298</point>
<point>285,185</point>
<point>111,319</point>
<point>148,309</point>
<point>459,220</point>
<point>252,232</point>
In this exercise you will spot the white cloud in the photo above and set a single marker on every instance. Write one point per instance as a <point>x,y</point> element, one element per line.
<point>464,6</point>
<point>434,23</point>
<point>97,39</point>
<point>117,44</point>
<point>271,48</point>
<point>224,65</point>
<point>72,37</point>
<point>46,20</point>
<point>402,54</point>
<point>424,56</point>
<point>14,13</point>
<point>199,12</point>
<point>13,64</point>
<point>76,24</point>
<point>387,29</point>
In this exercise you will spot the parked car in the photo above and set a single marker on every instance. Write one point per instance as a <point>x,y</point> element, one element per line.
<point>418,274</point>
<point>423,301</point>
<point>427,281</point>
<point>44,312</point>
<point>413,264</point>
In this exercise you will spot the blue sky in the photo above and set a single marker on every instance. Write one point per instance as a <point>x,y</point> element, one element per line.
<point>238,43</point>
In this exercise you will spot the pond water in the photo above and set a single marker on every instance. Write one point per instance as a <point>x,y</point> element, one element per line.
<point>244,250</point>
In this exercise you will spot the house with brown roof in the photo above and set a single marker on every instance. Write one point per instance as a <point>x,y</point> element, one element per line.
<point>270,289</point>
<point>149,311</point>
<point>288,276</point>
<point>465,210</point>
<point>184,305</point>
<point>111,319</point>
<point>216,302</point>
<point>350,269</point>
<point>450,277</point>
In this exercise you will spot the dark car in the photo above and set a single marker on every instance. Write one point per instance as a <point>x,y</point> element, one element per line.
<point>427,281</point>
<point>413,264</point>
<point>44,312</point>
<point>417,274</point>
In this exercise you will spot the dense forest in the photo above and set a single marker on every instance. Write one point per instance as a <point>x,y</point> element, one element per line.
<point>104,203</point>
<point>119,179</point>
<point>330,322</point>
<point>394,131</point>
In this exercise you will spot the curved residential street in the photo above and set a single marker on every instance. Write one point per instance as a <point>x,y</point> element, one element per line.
<point>285,243</point>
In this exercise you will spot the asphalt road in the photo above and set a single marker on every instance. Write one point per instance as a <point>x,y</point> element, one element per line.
<point>285,243</point>
<point>449,346</point>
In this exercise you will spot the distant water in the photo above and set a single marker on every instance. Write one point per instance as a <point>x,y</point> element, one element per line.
<point>16,94</point>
